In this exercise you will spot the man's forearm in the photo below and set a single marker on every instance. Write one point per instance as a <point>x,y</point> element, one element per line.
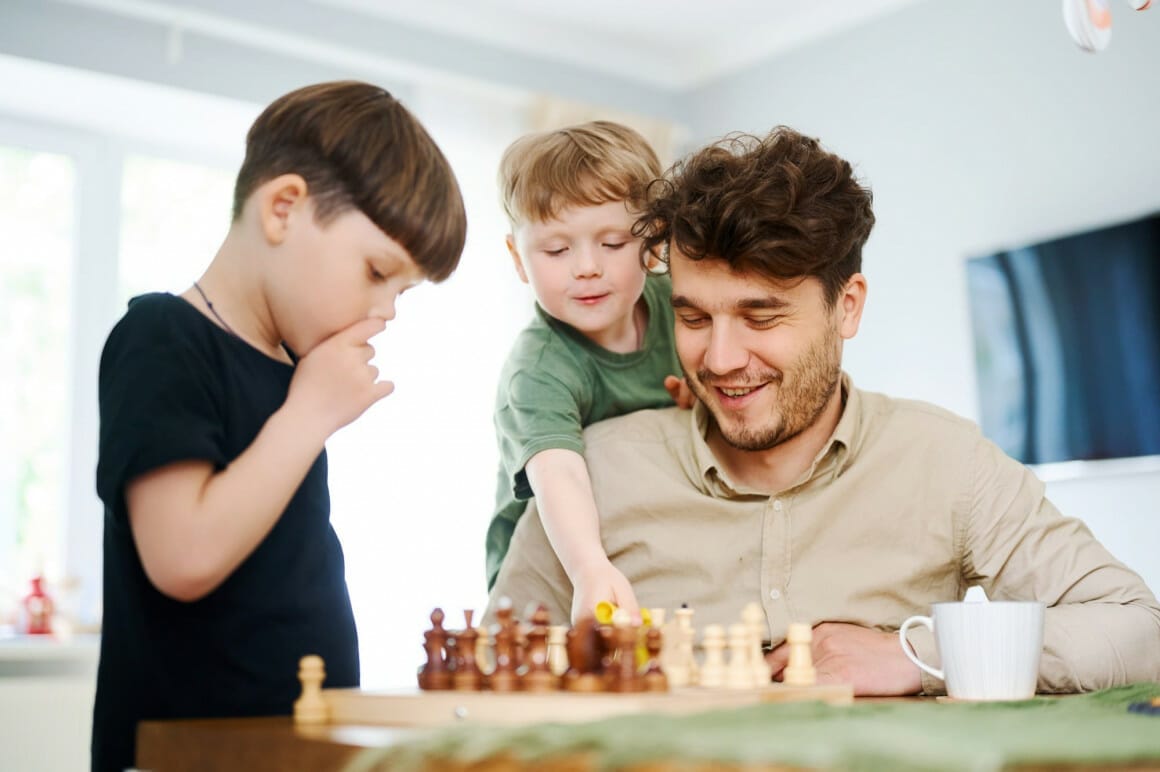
<point>1089,646</point>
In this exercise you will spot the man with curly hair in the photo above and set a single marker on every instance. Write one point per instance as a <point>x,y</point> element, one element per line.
<point>788,486</point>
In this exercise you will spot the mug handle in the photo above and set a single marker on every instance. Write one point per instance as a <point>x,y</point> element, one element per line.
<point>928,623</point>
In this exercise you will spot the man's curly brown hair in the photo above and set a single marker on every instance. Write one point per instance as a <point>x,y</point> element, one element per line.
<point>781,207</point>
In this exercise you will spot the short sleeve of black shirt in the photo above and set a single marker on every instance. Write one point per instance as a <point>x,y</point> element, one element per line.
<point>174,387</point>
<point>159,399</point>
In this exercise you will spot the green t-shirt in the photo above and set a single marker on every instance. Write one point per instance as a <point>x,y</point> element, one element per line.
<point>554,383</point>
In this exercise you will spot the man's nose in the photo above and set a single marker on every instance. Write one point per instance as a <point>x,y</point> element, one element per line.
<point>726,352</point>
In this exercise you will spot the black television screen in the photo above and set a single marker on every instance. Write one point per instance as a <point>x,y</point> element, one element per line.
<point>1067,344</point>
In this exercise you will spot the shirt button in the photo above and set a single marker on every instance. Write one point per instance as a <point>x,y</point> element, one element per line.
<point>777,505</point>
<point>775,594</point>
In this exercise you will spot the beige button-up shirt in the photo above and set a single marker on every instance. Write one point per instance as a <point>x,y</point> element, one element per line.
<point>906,505</point>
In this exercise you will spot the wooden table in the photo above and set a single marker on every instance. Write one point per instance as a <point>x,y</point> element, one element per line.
<point>255,744</point>
<point>276,745</point>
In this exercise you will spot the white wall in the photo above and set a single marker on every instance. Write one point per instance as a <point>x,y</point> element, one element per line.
<point>978,125</point>
<point>1120,508</point>
<point>46,703</point>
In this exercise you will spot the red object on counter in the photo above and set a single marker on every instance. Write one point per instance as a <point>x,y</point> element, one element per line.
<point>38,608</point>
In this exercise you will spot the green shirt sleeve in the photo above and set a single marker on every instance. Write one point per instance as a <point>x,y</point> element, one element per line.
<point>541,412</point>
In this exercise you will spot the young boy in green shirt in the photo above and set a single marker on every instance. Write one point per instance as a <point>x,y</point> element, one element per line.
<point>601,343</point>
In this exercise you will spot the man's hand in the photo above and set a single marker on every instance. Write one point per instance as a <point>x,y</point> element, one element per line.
<point>602,581</point>
<point>679,390</point>
<point>335,382</point>
<point>871,660</point>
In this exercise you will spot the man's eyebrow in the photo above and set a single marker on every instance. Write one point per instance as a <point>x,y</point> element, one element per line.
<point>747,304</point>
<point>772,303</point>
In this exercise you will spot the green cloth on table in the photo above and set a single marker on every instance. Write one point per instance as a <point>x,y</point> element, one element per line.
<point>1094,728</point>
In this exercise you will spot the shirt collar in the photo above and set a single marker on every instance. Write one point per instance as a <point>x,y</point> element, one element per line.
<point>833,458</point>
<point>843,441</point>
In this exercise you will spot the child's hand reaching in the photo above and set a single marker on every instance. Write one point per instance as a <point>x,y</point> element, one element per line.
<point>602,581</point>
<point>679,389</point>
<point>335,381</point>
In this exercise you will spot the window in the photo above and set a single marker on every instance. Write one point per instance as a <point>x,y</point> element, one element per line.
<point>412,482</point>
<point>37,191</point>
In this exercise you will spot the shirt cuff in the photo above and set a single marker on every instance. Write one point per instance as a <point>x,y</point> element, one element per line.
<point>922,641</point>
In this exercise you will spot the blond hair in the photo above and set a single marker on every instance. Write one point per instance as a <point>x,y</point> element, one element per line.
<point>583,165</point>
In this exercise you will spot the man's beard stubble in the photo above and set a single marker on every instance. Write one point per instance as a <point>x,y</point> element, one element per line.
<point>801,398</point>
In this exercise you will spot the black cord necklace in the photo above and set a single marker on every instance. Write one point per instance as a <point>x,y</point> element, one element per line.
<point>213,310</point>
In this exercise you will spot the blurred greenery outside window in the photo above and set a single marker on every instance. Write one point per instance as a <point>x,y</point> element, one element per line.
<point>37,195</point>
<point>174,215</point>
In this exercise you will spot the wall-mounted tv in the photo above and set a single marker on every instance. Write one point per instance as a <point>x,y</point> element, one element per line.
<point>1067,344</point>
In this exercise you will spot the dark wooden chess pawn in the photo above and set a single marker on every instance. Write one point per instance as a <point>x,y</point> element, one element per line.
<point>520,636</point>
<point>435,675</point>
<point>467,676</point>
<point>584,652</point>
<point>623,675</point>
<point>536,675</point>
<point>453,660</point>
<point>503,678</point>
<point>607,648</point>
<point>655,679</point>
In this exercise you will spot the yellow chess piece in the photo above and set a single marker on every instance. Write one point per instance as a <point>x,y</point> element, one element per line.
<point>605,613</point>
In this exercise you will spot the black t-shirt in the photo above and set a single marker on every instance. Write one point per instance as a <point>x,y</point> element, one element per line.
<point>173,387</point>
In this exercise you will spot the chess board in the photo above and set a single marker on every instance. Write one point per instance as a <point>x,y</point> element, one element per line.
<point>415,708</point>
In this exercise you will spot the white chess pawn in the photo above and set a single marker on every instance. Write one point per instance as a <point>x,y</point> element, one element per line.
<point>712,675</point>
<point>754,619</point>
<point>557,649</point>
<point>311,707</point>
<point>799,671</point>
<point>484,651</point>
<point>672,660</point>
<point>684,646</point>
<point>739,673</point>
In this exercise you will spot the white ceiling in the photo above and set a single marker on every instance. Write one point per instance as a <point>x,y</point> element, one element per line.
<point>672,44</point>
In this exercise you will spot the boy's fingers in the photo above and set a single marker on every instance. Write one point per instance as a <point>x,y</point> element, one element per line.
<point>626,599</point>
<point>362,331</point>
<point>679,390</point>
<point>383,389</point>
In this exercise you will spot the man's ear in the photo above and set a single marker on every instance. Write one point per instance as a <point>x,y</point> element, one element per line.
<point>850,305</point>
<point>276,200</point>
<point>515,253</point>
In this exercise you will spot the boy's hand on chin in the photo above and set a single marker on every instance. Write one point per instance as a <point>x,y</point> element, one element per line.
<point>335,382</point>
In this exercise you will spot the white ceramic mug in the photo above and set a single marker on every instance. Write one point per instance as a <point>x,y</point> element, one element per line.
<point>989,650</point>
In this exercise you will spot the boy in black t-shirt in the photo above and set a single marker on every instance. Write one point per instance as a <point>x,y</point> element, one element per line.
<point>221,568</point>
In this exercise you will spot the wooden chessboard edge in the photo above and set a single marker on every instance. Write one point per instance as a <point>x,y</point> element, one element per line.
<point>412,707</point>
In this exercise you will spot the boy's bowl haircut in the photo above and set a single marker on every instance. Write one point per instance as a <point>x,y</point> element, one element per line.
<point>359,147</point>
